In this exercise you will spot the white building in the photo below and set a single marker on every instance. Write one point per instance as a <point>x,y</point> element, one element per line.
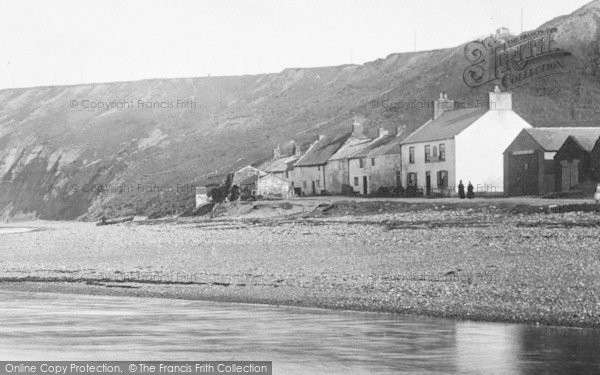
<point>461,145</point>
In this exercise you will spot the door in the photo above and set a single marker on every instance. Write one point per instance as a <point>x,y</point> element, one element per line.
<point>365,185</point>
<point>569,174</point>
<point>523,173</point>
<point>428,182</point>
<point>314,189</point>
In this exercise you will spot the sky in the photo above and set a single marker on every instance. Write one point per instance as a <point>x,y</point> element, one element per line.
<point>60,42</point>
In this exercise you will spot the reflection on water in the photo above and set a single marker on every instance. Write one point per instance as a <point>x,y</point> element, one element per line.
<point>10,230</point>
<point>298,341</point>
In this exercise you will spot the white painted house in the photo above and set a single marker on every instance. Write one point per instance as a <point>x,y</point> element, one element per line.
<point>461,144</point>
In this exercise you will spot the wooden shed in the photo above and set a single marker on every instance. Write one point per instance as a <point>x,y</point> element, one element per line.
<point>530,167</point>
<point>573,164</point>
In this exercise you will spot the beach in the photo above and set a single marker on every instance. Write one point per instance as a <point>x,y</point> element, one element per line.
<point>464,263</point>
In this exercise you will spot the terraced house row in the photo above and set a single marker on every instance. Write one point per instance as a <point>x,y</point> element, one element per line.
<point>491,147</point>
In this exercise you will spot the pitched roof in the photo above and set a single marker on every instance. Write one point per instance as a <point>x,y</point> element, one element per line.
<point>446,126</point>
<point>248,180</point>
<point>279,165</point>
<point>320,151</point>
<point>551,139</point>
<point>351,147</point>
<point>246,175</point>
<point>390,147</point>
<point>374,144</point>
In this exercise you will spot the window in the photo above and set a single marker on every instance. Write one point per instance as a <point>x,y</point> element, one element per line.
<point>304,184</point>
<point>361,163</point>
<point>318,168</point>
<point>427,154</point>
<point>442,151</point>
<point>355,181</point>
<point>287,174</point>
<point>442,179</point>
<point>319,183</point>
<point>411,179</point>
<point>373,162</point>
<point>411,155</point>
<point>435,154</point>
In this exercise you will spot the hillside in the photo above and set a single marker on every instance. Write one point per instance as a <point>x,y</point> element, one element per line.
<point>54,157</point>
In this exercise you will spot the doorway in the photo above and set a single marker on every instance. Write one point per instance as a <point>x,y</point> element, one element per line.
<point>428,183</point>
<point>365,185</point>
<point>569,174</point>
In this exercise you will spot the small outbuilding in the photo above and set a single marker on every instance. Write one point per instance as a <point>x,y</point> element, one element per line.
<point>273,187</point>
<point>574,164</point>
<point>529,161</point>
<point>246,178</point>
<point>595,160</point>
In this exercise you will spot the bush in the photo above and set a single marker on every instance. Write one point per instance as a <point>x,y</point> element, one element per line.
<point>234,194</point>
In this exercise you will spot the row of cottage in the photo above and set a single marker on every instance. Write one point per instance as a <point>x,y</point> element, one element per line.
<point>491,147</point>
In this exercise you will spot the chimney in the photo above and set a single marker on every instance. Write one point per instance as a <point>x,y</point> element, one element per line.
<point>277,152</point>
<point>400,129</point>
<point>499,100</point>
<point>442,105</point>
<point>383,133</point>
<point>321,136</point>
<point>357,128</point>
<point>295,149</point>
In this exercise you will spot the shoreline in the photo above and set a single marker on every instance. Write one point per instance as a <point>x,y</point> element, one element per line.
<point>213,294</point>
<point>478,262</point>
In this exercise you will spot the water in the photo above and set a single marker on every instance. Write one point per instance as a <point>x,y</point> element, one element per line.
<point>45,326</point>
<point>11,230</point>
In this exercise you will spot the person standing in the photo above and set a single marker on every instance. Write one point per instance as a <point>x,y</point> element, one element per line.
<point>470,193</point>
<point>461,190</point>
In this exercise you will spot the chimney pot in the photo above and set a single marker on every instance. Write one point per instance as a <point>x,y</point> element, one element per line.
<point>442,105</point>
<point>357,128</point>
<point>499,100</point>
<point>400,129</point>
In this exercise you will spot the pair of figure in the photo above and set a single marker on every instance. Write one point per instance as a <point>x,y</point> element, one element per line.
<point>461,190</point>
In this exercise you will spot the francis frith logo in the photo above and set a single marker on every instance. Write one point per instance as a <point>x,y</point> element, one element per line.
<point>513,63</point>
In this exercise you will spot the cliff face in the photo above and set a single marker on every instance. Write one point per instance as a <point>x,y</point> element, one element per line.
<point>145,144</point>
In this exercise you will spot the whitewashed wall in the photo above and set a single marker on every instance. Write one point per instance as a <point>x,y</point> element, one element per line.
<point>479,149</point>
<point>420,167</point>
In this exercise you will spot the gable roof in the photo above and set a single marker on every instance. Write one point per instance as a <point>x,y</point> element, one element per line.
<point>320,151</point>
<point>446,126</point>
<point>351,148</point>
<point>249,180</point>
<point>551,139</point>
<point>246,175</point>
